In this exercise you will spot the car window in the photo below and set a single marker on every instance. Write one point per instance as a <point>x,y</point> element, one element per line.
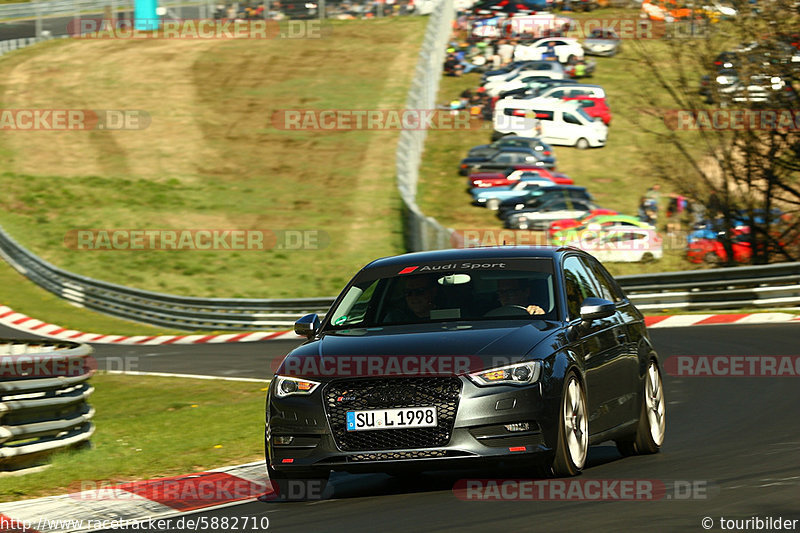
<point>505,158</point>
<point>544,115</point>
<point>569,118</point>
<point>606,283</point>
<point>578,285</point>
<point>559,93</point>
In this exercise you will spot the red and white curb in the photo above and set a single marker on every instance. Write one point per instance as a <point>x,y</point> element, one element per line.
<point>682,321</point>
<point>142,502</point>
<point>18,321</point>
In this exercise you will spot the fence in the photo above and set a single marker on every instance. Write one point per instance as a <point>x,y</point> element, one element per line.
<point>423,232</point>
<point>43,400</point>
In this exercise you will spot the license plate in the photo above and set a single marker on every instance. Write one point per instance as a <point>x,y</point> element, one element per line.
<point>402,418</point>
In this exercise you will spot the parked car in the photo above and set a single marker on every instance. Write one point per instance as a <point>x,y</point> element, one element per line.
<point>554,121</point>
<point>535,87</point>
<point>597,108</point>
<point>466,312</point>
<point>539,217</point>
<point>483,180</point>
<point>565,48</point>
<point>521,80</point>
<point>515,141</point>
<point>515,155</point>
<point>711,250</point>
<point>608,218</point>
<point>618,243</point>
<point>534,198</point>
<point>602,42</point>
<point>572,91</point>
<point>492,196</point>
<point>502,159</point>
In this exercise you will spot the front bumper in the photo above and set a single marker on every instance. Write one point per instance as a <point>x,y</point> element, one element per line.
<point>477,436</point>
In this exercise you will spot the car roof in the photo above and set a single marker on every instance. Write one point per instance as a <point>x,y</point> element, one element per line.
<point>471,254</point>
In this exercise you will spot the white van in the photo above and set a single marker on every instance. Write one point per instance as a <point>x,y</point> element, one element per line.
<point>554,121</point>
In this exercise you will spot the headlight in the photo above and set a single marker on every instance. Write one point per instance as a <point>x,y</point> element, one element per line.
<point>518,374</point>
<point>286,386</point>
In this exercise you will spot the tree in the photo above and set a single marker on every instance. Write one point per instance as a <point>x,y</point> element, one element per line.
<point>727,125</point>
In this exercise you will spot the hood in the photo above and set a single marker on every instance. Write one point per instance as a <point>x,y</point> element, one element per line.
<point>470,346</point>
<point>479,149</point>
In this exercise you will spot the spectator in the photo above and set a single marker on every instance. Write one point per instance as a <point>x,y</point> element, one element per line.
<point>506,51</point>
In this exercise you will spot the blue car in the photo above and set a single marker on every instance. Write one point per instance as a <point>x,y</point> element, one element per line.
<point>492,196</point>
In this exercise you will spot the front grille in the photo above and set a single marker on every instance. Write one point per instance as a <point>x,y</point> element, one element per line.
<point>389,393</point>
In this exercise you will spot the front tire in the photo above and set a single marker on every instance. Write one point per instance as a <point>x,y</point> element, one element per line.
<point>572,446</point>
<point>652,419</point>
<point>582,144</point>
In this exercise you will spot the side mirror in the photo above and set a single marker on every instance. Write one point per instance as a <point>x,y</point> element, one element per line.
<point>596,308</point>
<point>307,326</point>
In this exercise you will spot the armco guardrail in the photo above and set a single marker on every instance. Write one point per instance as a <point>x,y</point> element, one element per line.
<point>44,393</point>
<point>180,312</point>
<point>776,285</point>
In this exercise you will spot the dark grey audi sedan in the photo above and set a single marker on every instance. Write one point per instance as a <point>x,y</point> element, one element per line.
<point>452,358</point>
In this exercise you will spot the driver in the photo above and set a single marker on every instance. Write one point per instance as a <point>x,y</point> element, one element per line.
<point>516,292</point>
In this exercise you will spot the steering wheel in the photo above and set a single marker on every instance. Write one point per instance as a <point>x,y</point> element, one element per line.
<point>506,310</point>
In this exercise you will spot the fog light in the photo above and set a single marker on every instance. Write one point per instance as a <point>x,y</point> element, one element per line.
<point>519,426</point>
<point>283,440</point>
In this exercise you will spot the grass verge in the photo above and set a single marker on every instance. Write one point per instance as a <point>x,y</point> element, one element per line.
<point>149,427</point>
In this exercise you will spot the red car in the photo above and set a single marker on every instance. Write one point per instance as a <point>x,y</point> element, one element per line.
<point>512,176</point>
<point>712,251</point>
<point>594,107</point>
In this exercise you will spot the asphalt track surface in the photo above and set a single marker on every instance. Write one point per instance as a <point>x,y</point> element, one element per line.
<point>58,26</point>
<point>736,439</point>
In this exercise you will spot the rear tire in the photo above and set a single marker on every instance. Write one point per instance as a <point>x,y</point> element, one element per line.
<point>652,419</point>
<point>573,430</point>
<point>582,144</point>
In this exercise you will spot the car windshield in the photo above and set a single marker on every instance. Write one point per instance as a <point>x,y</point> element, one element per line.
<point>449,291</point>
<point>580,111</point>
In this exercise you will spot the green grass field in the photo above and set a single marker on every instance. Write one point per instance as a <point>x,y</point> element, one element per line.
<point>150,427</point>
<point>211,157</point>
